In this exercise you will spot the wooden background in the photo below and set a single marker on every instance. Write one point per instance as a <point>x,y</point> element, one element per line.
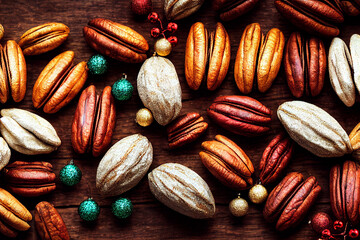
<point>150,218</point>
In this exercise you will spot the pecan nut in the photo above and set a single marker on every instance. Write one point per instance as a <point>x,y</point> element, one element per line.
<point>344,192</point>
<point>227,162</point>
<point>305,65</point>
<point>206,58</point>
<point>265,65</point>
<point>14,216</point>
<point>12,72</point>
<point>43,38</point>
<point>350,7</point>
<point>355,141</point>
<point>116,40</point>
<point>5,153</point>
<point>240,115</point>
<point>313,16</point>
<point>186,129</point>
<point>49,223</point>
<point>289,202</point>
<point>29,179</point>
<point>355,55</point>
<point>230,10</point>
<point>27,132</point>
<point>94,121</point>
<point>275,158</point>
<point>59,82</point>
<point>179,9</point>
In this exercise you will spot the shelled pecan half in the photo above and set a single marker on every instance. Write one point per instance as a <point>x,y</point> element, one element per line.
<point>240,115</point>
<point>29,179</point>
<point>275,158</point>
<point>175,9</point>
<point>59,82</point>
<point>345,192</point>
<point>350,7</point>
<point>186,129</point>
<point>289,202</point>
<point>227,162</point>
<point>94,121</point>
<point>232,9</point>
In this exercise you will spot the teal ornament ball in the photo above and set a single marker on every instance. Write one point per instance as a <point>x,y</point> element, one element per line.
<point>97,64</point>
<point>122,89</point>
<point>70,174</point>
<point>122,208</point>
<point>89,210</point>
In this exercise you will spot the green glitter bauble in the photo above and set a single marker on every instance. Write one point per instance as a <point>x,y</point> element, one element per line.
<point>97,64</point>
<point>122,208</point>
<point>122,90</point>
<point>89,210</point>
<point>70,174</point>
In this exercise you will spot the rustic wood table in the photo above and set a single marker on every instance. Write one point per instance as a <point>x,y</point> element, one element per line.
<point>150,218</point>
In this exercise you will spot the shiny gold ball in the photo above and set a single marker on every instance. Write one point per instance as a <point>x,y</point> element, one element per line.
<point>163,47</point>
<point>2,31</point>
<point>238,207</point>
<point>144,117</point>
<point>258,194</point>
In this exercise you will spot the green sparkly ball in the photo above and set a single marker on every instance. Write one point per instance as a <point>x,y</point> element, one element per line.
<point>70,174</point>
<point>122,208</point>
<point>89,210</point>
<point>122,90</point>
<point>97,64</point>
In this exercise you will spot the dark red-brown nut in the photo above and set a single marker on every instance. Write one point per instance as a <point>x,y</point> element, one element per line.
<point>94,121</point>
<point>240,115</point>
<point>185,129</point>
<point>231,9</point>
<point>305,64</point>
<point>275,158</point>
<point>48,223</point>
<point>350,7</point>
<point>289,202</point>
<point>29,179</point>
<point>227,162</point>
<point>345,192</point>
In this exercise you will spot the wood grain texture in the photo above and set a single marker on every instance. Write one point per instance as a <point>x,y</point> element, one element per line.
<point>151,219</point>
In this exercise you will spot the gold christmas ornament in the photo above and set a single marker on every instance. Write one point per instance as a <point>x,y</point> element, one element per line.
<point>163,47</point>
<point>1,31</point>
<point>258,194</point>
<point>144,117</point>
<point>238,207</point>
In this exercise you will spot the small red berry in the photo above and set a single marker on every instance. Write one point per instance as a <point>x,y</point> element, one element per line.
<point>338,225</point>
<point>326,233</point>
<point>173,40</point>
<point>172,27</point>
<point>353,233</point>
<point>155,32</point>
<point>153,17</point>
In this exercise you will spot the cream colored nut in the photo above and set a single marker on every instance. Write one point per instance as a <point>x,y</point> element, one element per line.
<point>182,190</point>
<point>5,153</point>
<point>314,129</point>
<point>355,55</point>
<point>340,67</point>
<point>159,89</point>
<point>124,165</point>
<point>27,132</point>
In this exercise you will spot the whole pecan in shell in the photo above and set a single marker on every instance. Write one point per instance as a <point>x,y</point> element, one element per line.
<point>232,9</point>
<point>116,40</point>
<point>186,129</point>
<point>29,179</point>
<point>350,7</point>
<point>227,162</point>
<point>94,121</point>
<point>345,192</point>
<point>289,202</point>
<point>240,115</point>
<point>179,9</point>
<point>275,158</point>
<point>305,64</point>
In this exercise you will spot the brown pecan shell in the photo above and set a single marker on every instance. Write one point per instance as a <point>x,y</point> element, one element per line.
<point>227,162</point>
<point>350,7</point>
<point>186,129</point>
<point>29,179</point>
<point>49,223</point>
<point>240,115</point>
<point>275,158</point>
<point>230,10</point>
<point>116,40</point>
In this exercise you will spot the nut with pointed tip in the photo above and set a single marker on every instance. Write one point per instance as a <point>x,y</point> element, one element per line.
<point>179,9</point>
<point>232,9</point>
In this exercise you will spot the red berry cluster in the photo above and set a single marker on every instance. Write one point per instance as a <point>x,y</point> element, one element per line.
<point>156,32</point>
<point>339,231</point>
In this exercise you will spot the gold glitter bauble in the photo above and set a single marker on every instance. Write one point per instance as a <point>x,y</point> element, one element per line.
<point>258,194</point>
<point>144,117</point>
<point>163,47</point>
<point>238,207</point>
